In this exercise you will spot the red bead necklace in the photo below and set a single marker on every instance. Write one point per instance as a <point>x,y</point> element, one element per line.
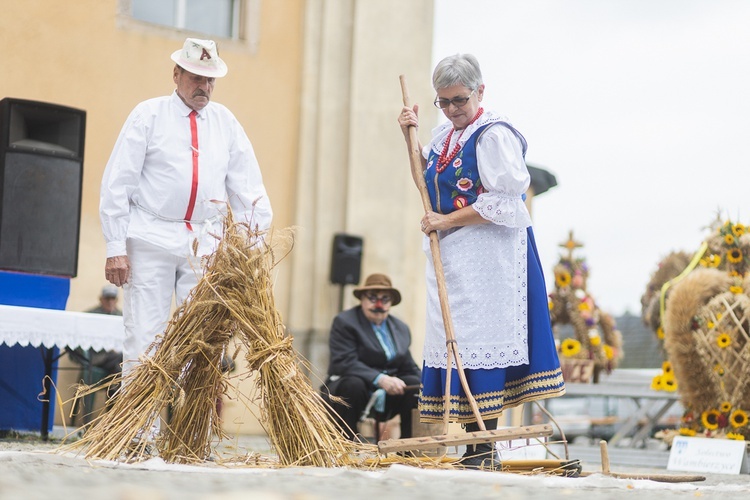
<point>444,160</point>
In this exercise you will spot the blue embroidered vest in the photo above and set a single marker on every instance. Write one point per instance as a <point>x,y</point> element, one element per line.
<point>459,184</point>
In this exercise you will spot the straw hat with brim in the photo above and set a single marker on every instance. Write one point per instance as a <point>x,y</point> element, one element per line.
<point>378,282</point>
<point>201,58</point>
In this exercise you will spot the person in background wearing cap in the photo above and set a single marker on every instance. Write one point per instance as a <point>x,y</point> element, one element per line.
<point>369,351</point>
<point>108,362</point>
<point>177,163</point>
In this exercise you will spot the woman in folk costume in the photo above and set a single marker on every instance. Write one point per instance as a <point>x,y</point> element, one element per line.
<point>476,177</point>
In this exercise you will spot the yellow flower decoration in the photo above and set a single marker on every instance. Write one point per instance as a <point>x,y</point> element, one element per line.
<point>595,340</point>
<point>718,317</point>
<point>660,333</point>
<point>550,305</point>
<point>725,407</point>
<point>719,369</point>
<point>669,384</point>
<point>723,340</point>
<point>738,419</point>
<point>666,367</point>
<point>736,290</point>
<point>657,383</point>
<point>713,260</point>
<point>684,431</point>
<point>735,435</point>
<point>738,230</point>
<point>570,347</point>
<point>583,306</point>
<point>562,279</point>
<point>609,352</point>
<point>734,256</point>
<point>710,325</point>
<point>710,419</point>
<point>729,239</point>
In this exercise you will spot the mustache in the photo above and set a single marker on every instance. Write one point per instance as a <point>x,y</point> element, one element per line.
<point>377,310</point>
<point>199,93</point>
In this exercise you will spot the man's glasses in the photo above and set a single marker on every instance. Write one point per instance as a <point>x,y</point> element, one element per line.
<point>385,299</point>
<point>458,102</point>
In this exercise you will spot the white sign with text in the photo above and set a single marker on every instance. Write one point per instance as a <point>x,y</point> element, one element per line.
<point>718,456</point>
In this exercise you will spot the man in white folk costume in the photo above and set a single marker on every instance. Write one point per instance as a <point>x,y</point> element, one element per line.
<point>178,162</point>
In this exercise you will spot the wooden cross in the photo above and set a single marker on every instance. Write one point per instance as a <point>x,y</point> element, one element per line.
<point>571,245</point>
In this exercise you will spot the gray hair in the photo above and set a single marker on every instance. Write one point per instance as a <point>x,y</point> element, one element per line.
<point>459,69</point>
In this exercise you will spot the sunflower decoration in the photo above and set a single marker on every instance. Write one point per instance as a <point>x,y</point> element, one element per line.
<point>728,246</point>
<point>665,380</point>
<point>669,383</point>
<point>710,261</point>
<point>710,419</point>
<point>594,331</point>
<point>734,256</point>
<point>703,312</point>
<point>657,383</point>
<point>725,421</point>
<point>570,348</point>
<point>562,278</point>
<point>723,340</point>
<point>738,419</point>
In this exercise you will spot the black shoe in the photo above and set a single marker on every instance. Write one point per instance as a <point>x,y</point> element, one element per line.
<point>481,462</point>
<point>482,456</point>
<point>572,468</point>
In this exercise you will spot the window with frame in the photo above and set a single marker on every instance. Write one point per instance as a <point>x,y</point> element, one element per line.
<point>220,18</point>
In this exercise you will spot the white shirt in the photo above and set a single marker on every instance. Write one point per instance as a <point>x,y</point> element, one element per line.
<point>147,183</point>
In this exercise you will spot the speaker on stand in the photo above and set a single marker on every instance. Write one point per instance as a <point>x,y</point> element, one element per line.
<point>346,262</point>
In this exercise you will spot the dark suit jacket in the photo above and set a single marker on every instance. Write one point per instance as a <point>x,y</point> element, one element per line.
<point>356,351</point>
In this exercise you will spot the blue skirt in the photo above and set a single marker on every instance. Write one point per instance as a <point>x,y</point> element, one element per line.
<point>500,388</point>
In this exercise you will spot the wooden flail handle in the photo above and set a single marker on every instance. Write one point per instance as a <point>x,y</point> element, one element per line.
<point>415,159</point>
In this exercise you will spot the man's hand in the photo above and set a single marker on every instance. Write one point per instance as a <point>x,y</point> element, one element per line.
<point>117,270</point>
<point>392,385</point>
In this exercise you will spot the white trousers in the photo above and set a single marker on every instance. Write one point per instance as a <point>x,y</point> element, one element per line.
<point>156,276</point>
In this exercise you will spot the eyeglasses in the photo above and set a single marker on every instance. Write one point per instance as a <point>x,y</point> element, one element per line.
<point>458,102</point>
<point>385,299</point>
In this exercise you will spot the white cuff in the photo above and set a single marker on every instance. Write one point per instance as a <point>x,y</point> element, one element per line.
<point>116,248</point>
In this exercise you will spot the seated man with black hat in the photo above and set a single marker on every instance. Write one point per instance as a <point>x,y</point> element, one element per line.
<point>370,359</point>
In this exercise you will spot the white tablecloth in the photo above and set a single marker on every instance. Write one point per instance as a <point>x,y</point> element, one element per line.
<point>49,327</point>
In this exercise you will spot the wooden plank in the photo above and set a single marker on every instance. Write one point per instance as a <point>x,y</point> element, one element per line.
<point>618,390</point>
<point>430,442</point>
<point>662,478</point>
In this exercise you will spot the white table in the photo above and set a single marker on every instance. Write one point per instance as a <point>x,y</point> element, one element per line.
<point>53,328</point>
<point>50,328</point>
<point>634,385</point>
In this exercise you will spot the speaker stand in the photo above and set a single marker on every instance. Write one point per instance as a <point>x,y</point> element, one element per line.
<point>341,297</point>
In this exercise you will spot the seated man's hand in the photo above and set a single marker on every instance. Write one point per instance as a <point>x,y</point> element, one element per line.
<point>392,385</point>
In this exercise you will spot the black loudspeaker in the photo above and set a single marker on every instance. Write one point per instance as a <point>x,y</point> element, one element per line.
<point>41,178</point>
<point>346,259</point>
